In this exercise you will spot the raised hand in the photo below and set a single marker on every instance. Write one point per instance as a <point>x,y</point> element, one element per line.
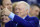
<point>6,11</point>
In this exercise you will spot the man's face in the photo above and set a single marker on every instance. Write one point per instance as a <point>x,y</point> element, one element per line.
<point>20,10</point>
<point>8,4</point>
<point>35,11</point>
<point>4,18</point>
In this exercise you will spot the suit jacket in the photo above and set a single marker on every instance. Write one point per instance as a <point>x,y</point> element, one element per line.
<point>27,22</point>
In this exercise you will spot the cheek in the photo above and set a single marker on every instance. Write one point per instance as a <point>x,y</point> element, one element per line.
<point>22,11</point>
<point>15,11</point>
<point>11,6</point>
<point>32,12</point>
<point>7,6</point>
<point>37,13</point>
<point>8,18</point>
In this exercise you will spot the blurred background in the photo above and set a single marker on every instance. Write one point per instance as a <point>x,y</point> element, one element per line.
<point>29,1</point>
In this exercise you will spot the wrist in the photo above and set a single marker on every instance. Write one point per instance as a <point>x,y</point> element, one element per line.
<point>9,13</point>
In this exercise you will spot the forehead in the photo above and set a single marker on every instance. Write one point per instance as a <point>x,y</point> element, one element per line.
<point>36,8</point>
<point>3,13</point>
<point>20,5</point>
<point>7,2</point>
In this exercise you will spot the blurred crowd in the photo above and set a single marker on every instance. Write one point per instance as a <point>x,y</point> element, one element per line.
<point>22,8</point>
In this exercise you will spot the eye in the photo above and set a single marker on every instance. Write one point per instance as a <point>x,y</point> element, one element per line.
<point>1,9</point>
<point>6,15</point>
<point>15,8</point>
<point>2,15</point>
<point>7,4</point>
<point>36,10</point>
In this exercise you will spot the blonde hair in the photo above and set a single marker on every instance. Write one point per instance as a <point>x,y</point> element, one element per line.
<point>14,4</point>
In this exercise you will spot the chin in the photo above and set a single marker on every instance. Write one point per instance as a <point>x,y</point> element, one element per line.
<point>4,22</point>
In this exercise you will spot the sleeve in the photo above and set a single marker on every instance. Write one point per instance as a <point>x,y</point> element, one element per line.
<point>11,16</point>
<point>31,23</point>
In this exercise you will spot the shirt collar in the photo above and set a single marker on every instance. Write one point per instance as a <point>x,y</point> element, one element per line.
<point>26,16</point>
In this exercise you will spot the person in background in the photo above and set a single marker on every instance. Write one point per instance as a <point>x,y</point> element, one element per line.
<point>23,8</point>
<point>7,3</point>
<point>4,18</point>
<point>34,11</point>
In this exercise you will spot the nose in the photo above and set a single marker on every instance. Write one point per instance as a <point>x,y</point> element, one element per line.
<point>17,11</point>
<point>4,16</point>
<point>10,5</point>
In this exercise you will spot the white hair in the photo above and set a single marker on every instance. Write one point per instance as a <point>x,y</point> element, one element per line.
<point>27,5</point>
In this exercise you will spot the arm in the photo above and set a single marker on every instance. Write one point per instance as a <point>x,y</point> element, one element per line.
<point>10,24</point>
<point>31,23</point>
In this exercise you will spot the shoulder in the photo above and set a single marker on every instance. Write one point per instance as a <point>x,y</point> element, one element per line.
<point>8,23</point>
<point>35,18</point>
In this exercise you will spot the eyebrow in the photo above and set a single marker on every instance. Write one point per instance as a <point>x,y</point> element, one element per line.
<point>4,14</point>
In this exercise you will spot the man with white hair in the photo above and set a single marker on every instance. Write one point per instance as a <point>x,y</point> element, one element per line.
<point>25,21</point>
<point>21,8</point>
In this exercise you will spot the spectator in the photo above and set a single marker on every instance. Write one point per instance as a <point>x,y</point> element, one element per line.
<point>34,11</point>
<point>8,4</point>
<point>4,18</point>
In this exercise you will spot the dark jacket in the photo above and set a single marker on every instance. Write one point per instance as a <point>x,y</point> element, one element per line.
<point>27,22</point>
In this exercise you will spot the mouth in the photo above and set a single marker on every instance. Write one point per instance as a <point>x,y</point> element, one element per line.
<point>9,8</point>
<point>17,13</point>
<point>3,19</point>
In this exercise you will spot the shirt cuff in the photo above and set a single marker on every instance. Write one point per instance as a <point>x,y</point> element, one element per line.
<point>11,15</point>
